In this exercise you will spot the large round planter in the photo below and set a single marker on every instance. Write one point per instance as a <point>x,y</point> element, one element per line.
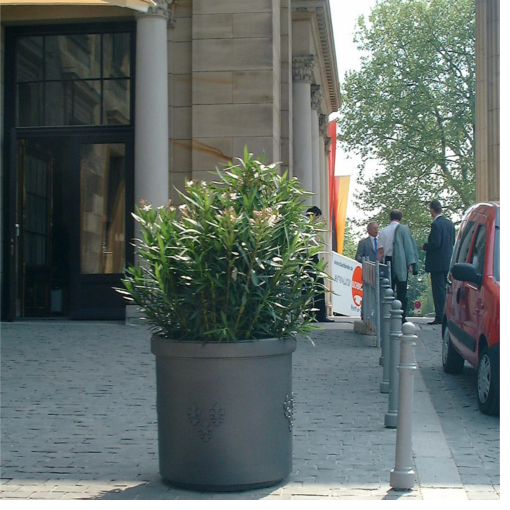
<point>224,413</point>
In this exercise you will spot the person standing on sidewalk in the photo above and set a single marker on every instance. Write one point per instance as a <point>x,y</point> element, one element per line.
<point>406,259</point>
<point>368,247</point>
<point>439,249</point>
<point>319,300</point>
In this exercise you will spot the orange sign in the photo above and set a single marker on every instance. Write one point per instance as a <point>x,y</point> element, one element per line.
<point>357,286</point>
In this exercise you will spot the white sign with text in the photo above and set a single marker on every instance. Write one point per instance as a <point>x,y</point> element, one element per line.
<point>347,285</point>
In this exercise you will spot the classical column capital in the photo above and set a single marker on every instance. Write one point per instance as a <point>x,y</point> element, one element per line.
<point>327,143</point>
<point>323,125</point>
<point>316,96</point>
<point>162,9</point>
<point>302,68</point>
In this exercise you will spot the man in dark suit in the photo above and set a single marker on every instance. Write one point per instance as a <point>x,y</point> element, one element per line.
<point>368,247</point>
<point>439,250</point>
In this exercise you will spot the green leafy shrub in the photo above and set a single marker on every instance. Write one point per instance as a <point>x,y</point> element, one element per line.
<point>232,263</point>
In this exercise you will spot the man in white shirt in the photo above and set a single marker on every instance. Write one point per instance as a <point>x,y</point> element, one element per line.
<point>385,255</point>
<point>386,236</point>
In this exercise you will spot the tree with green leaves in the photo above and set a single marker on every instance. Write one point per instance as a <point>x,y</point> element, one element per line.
<point>411,108</point>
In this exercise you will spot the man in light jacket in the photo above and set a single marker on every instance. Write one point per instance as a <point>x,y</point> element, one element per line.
<point>407,256</point>
<point>404,262</point>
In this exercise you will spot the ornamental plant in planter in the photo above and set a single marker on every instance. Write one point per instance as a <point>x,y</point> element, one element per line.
<point>226,283</point>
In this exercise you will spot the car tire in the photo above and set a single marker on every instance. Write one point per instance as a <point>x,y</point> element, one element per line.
<point>453,362</point>
<point>488,381</point>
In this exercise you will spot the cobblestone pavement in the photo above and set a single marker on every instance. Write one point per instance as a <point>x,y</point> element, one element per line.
<point>79,420</point>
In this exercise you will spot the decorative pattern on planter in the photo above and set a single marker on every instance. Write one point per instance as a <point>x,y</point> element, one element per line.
<point>288,410</point>
<point>216,415</point>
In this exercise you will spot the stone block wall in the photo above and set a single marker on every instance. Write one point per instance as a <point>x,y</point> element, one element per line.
<point>2,138</point>
<point>179,98</point>
<point>236,82</point>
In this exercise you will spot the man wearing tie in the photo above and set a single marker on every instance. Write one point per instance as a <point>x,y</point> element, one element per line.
<point>438,248</point>
<point>368,247</point>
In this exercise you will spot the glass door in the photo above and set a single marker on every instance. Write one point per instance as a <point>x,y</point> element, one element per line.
<point>35,230</point>
<point>104,226</point>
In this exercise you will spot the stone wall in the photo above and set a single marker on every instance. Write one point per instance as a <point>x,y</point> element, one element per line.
<point>235,68</point>
<point>2,169</point>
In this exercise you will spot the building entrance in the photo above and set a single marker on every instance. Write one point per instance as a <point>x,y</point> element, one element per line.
<point>69,164</point>
<point>73,226</point>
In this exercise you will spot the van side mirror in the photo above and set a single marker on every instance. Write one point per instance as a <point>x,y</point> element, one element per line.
<point>466,273</point>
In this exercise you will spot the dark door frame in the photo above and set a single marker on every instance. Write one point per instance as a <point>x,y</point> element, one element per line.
<point>100,133</point>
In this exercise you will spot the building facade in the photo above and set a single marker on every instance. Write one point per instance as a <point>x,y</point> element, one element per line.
<point>103,106</point>
<point>487,100</point>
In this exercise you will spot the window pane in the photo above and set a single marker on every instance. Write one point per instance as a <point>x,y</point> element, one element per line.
<point>116,55</point>
<point>29,105</point>
<point>86,103</point>
<point>116,102</point>
<point>73,103</point>
<point>29,59</point>
<point>478,254</point>
<point>102,215</point>
<point>73,56</point>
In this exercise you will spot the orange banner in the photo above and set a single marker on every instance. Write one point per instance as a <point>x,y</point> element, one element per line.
<point>341,200</point>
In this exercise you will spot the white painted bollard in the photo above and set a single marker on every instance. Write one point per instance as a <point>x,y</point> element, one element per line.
<point>385,284</point>
<point>390,418</point>
<point>387,300</point>
<point>402,476</point>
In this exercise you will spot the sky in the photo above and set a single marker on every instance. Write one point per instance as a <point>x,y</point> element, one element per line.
<point>344,16</point>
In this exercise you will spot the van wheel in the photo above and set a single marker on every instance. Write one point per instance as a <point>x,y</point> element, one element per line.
<point>488,382</point>
<point>453,362</point>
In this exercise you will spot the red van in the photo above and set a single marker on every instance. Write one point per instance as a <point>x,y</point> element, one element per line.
<point>471,316</point>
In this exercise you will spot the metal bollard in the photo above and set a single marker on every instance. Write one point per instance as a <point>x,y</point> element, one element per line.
<point>402,476</point>
<point>383,286</point>
<point>388,298</point>
<point>390,418</point>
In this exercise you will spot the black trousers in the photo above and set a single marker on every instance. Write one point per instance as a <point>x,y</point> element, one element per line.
<point>319,298</point>
<point>401,288</point>
<point>438,281</point>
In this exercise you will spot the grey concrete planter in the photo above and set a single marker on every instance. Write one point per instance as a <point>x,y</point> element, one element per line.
<point>224,413</point>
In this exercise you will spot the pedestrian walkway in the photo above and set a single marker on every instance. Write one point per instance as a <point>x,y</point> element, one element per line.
<point>78,420</point>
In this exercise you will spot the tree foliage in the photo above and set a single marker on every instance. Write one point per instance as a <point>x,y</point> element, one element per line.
<point>411,107</point>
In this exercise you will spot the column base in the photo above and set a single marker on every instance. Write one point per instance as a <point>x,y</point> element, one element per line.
<point>385,387</point>
<point>403,480</point>
<point>391,420</point>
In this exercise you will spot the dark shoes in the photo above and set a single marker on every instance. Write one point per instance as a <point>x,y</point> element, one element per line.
<point>323,319</point>
<point>433,323</point>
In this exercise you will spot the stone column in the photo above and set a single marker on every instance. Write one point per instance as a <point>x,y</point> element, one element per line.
<point>151,105</point>
<point>316,97</point>
<point>324,169</point>
<point>487,93</point>
<point>302,69</point>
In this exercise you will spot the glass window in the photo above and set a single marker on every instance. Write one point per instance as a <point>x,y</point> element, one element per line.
<point>465,242</point>
<point>477,257</point>
<point>116,102</point>
<point>73,80</point>
<point>29,59</point>
<point>29,107</point>
<point>116,56</point>
<point>103,189</point>
<point>69,57</point>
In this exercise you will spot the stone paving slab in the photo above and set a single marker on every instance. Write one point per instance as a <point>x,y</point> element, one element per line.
<point>79,420</point>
